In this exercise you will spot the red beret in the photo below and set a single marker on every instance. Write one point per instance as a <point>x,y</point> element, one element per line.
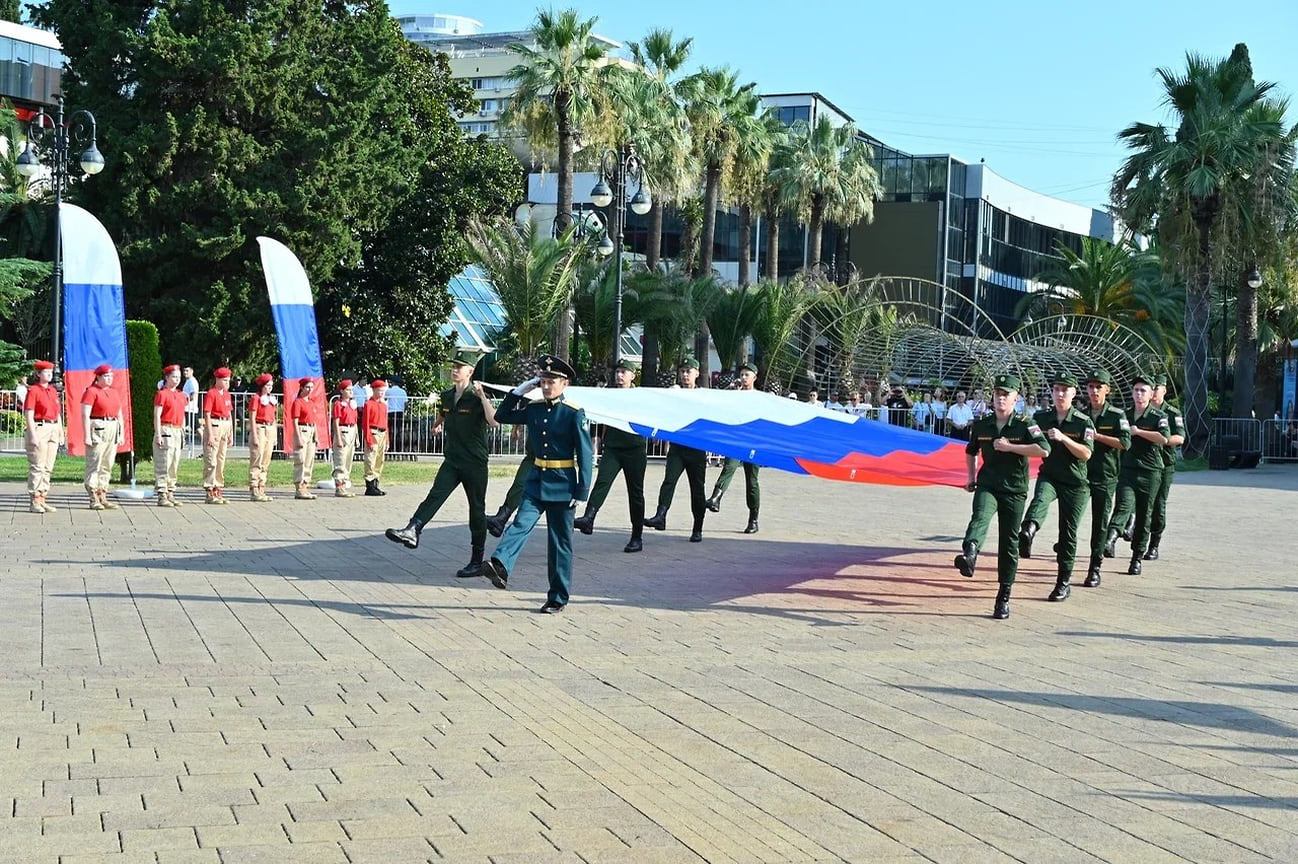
<point>174,367</point>
<point>344,384</point>
<point>264,378</point>
<point>42,364</point>
<point>305,381</point>
<point>223,372</point>
<point>103,369</point>
<point>378,382</point>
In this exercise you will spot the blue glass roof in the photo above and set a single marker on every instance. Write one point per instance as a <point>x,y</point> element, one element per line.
<point>478,319</point>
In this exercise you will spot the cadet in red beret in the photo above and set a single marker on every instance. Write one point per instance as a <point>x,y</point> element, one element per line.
<point>218,434</point>
<point>263,409</point>
<point>101,417</point>
<point>303,416</point>
<point>168,435</point>
<point>342,431</point>
<point>42,434</point>
<point>375,426</point>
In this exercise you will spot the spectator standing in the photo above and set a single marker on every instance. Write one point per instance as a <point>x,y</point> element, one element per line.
<point>922,414</point>
<point>959,418</point>
<point>939,409</point>
<point>978,404</point>
<point>397,398</point>
<point>20,392</point>
<point>854,406</point>
<point>898,406</point>
<point>374,426</point>
<point>190,388</point>
<point>813,398</point>
<point>833,404</point>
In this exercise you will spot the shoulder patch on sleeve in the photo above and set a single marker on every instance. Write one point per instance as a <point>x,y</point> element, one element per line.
<point>1124,425</point>
<point>1034,429</point>
<point>1162,422</point>
<point>1090,433</point>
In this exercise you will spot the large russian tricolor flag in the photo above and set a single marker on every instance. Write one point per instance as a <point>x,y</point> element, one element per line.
<point>293,307</point>
<point>94,318</point>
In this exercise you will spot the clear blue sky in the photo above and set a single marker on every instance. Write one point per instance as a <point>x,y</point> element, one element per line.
<point>1039,89</point>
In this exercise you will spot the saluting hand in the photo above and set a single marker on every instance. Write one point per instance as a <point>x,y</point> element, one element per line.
<point>1002,445</point>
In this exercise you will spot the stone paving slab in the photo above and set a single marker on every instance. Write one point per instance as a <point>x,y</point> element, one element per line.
<point>280,683</point>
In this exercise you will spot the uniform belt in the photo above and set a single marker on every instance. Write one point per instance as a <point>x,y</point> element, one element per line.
<point>346,425</point>
<point>378,429</point>
<point>45,422</point>
<point>271,423</point>
<point>555,463</point>
<point>102,419</point>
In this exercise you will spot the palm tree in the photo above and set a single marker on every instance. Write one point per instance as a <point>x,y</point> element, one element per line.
<point>535,276</point>
<point>675,304</point>
<point>560,81</point>
<point>1187,185</point>
<point>732,321</point>
<point>828,177</point>
<point>784,307</point>
<point>746,180</point>
<point>772,199</point>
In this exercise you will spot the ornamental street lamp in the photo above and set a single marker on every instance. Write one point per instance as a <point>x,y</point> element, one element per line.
<point>1254,280</point>
<point>59,137</point>
<point>621,166</point>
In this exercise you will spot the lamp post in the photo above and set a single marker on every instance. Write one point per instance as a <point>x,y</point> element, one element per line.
<point>58,136</point>
<point>619,165</point>
<point>1254,281</point>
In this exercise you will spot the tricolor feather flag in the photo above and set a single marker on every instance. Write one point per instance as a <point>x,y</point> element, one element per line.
<point>299,345</point>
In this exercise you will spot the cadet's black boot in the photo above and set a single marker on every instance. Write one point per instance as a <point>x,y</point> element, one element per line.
<point>658,521</point>
<point>967,559</point>
<point>1111,543</point>
<point>752,522</point>
<point>1026,533</point>
<point>1062,588</point>
<point>1093,574</point>
<point>496,524</point>
<point>714,503</point>
<point>586,522</point>
<point>474,568</point>
<point>1129,527</point>
<point>496,572</point>
<point>635,544</point>
<point>407,536</point>
<point>696,536</point>
<point>377,490</point>
<point>1152,554</point>
<point>1134,569</point>
<point>1002,607</point>
<point>372,488</point>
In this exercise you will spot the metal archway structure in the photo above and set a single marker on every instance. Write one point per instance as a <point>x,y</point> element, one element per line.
<point>923,333</point>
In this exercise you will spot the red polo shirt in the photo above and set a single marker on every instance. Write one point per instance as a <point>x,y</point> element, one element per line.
<point>303,412</point>
<point>218,404</point>
<point>104,402</point>
<point>263,412</point>
<point>43,401</point>
<point>344,412</point>
<point>173,404</point>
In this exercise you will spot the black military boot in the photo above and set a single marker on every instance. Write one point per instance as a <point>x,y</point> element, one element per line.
<point>1129,527</point>
<point>1152,553</point>
<point>372,488</point>
<point>407,536</point>
<point>1111,543</point>
<point>696,536</point>
<point>496,572</point>
<point>1026,533</point>
<point>1134,568</point>
<point>496,524</point>
<point>1002,608</point>
<point>967,559</point>
<point>585,523</point>
<point>474,568</point>
<point>1093,574</point>
<point>752,522</point>
<point>377,490</point>
<point>714,503</point>
<point>635,544</point>
<point>1062,588</point>
<point>658,521</point>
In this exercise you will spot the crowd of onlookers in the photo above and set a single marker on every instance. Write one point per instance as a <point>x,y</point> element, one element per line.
<point>927,410</point>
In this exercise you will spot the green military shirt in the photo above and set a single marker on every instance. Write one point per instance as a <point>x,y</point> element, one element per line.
<point>1107,461</point>
<point>1004,472</point>
<point>1175,426</point>
<point>1144,455</point>
<point>464,426</point>
<point>616,439</point>
<point>1061,465</point>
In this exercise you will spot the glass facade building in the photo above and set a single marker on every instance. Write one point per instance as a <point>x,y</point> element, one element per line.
<point>31,65</point>
<point>478,320</point>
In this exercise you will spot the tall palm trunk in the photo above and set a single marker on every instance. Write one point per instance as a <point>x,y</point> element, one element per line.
<point>1197,301</point>
<point>563,210</point>
<point>653,254</point>
<point>815,232</point>
<point>745,244</point>
<point>1245,348</point>
<point>772,218</point>
<point>711,192</point>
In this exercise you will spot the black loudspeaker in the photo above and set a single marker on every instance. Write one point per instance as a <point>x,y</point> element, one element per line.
<point>1218,458</point>
<point>1246,459</point>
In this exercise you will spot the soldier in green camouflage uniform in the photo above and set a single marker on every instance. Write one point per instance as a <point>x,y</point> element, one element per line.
<point>1006,441</point>
<point>1112,437</point>
<point>752,487</point>
<point>1176,433</point>
<point>688,460</point>
<point>624,453</point>
<point>1063,475</point>
<point>1142,469</point>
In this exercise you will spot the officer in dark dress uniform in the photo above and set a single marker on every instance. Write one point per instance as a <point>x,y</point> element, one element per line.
<point>625,453</point>
<point>1112,437</point>
<point>496,523</point>
<point>1063,475</point>
<point>689,460</point>
<point>1142,470</point>
<point>1176,437</point>
<point>559,480</point>
<point>752,489</point>
<point>1006,441</point>
<point>466,413</point>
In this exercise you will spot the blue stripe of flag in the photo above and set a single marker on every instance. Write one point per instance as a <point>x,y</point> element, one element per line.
<point>94,326</point>
<point>299,345</point>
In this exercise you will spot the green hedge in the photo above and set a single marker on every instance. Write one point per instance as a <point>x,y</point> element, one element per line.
<point>146,368</point>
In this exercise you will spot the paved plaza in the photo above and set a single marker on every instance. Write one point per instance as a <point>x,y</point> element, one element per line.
<point>280,683</point>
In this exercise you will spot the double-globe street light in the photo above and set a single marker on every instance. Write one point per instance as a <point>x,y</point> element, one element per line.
<point>1254,281</point>
<point>622,166</point>
<point>59,136</point>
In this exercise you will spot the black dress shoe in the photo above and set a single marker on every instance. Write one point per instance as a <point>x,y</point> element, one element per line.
<point>550,608</point>
<point>696,537</point>
<point>1061,592</point>
<point>1152,554</point>
<point>496,572</point>
<point>752,527</point>
<point>472,570</point>
<point>1111,544</point>
<point>1134,569</point>
<point>1002,608</point>
<point>1092,577</point>
<point>407,536</point>
<point>635,544</point>
<point>1025,540</point>
<point>714,503</point>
